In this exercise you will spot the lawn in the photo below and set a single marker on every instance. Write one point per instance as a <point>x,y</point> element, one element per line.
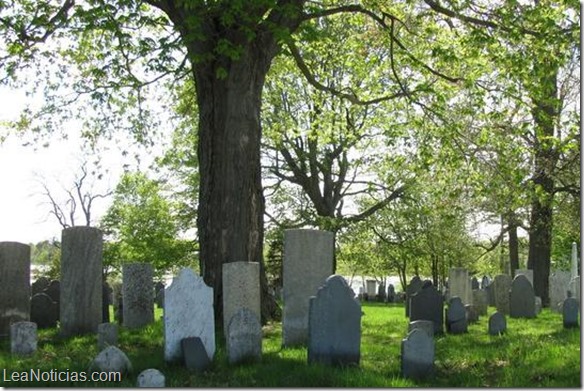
<point>534,353</point>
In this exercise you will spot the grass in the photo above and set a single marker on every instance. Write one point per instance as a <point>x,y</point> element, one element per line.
<point>533,353</point>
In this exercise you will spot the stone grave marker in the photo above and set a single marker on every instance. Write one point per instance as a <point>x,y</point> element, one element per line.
<point>502,286</point>
<point>194,353</point>
<point>23,338</point>
<point>241,289</point>
<point>474,283</point>
<point>417,355</point>
<point>391,293</point>
<point>456,322</point>
<point>491,294</point>
<point>107,335</point>
<point>559,282</point>
<point>244,336</point>
<point>138,302</point>
<point>414,286</point>
<point>334,330</point>
<point>381,293</point>
<point>521,298</point>
<point>150,378</point>
<point>428,304</point>
<point>480,299</point>
<point>15,282</point>
<point>527,273</point>
<point>188,312</point>
<point>308,262</point>
<point>111,359</point>
<point>371,289</point>
<point>472,313</point>
<point>570,310</point>
<point>459,284</point>
<point>426,325</point>
<point>43,311</point>
<point>40,285</point>
<point>497,323</point>
<point>485,282</point>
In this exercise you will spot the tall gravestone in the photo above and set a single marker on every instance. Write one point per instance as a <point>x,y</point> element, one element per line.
<point>241,289</point>
<point>527,273</point>
<point>501,287</point>
<point>188,312</point>
<point>417,355</point>
<point>413,287</point>
<point>308,262</point>
<point>459,284</point>
<point>81,280</point>
<point>428,304</point>
<point>521,298</point>
<point>137,295</point>
<point>244,336</point>
<point>559,282</point>
<point>334,325</point>
<point>15,284</point>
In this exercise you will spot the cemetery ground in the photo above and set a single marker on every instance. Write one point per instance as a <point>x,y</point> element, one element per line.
<point>533,353</point>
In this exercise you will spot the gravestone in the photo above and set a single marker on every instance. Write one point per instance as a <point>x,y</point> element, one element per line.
<point>54,292</point>
<point>150,378</point>
<point>107,335</point>
<point>308,261</point>
<point>417,355</point>
<point>426,325</point>
<point>138,302</point>
<point>81,280</point>
<point>334,330</point>
<point>43,311</point>
<point>502,286</point>
<point>570,309</point>
<point>390,293</point>
<point>40,285</point>
<point>456,322</point>
<point>381,293</point>
<point>497,323</point>
<point>428,304</point>
<point>194,353</point>
<point>480,299</point>
<point>474,283</point>
<point>23,338</point>
<point>15,283</point>
<point>188,312</point>
<point>459,284</point>
<point>111,359</point>
<point>106,300</point>
<point>527,273</point>
<point>491,294</point>
<point>371,289</point>
<point>472,313</point>
<point>244,336</point>
<point>521,298</point>
<point>241,289</point>
<point>485,282</point>
<point>414,286</point>
<point>559,282</point>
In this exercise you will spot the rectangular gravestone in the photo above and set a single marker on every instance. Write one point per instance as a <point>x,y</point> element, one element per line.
<point>15,283</point>
<point>428,304</point>
<point>138,301</point>
<point>308,261</point>
<point>241,289</point>
<point>502,287</point>
<point>521,298</point>
<point>480,299</point>
<point>459,284</point>
<point>23,338</point>
<point>244,336</point>
<point>371,288</point>
<point>417,355</point>
<point>559,282</point>
<point>107,335</point>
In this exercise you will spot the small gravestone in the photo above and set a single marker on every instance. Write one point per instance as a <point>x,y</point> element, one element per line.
<point>481,301</point>
<point>43,311</point>
<point>23,338</point>
<point>474,283</point>
<point>244,336</point>
<point>138,304</point>
<point>521,298</point>
<point>107,335</point>
<point>497,324</point>
<point>459,284</point>
<point>15,284</point>
<point>106,294</point>
<point>414,286</point>
<point>241,289</point>
<point>111,359</point>
<point>456,322</point>
<point>390,293</point>
<point>194,354</point>
<point>425,325</point>
<point>570,312</point>
<point>559,282</point>
<point>428,304</point>
<point>371,289</point>
<point>485,282</point>
<point>417,355</point>
<point>39,285</point>
<point>472,313</point>
<point>150,378</point>
<point>502,285</point>
<point>334,324</point>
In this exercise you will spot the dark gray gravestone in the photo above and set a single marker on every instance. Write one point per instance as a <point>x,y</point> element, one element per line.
<point>456,316</point>
<point>490,295</point>
<point>244,337</point>
<point>194,354</point>
<point>381,293</point>
<point>40,285</point>
<point>426,325</point>
<point>428,304</point>
<point>521,298</point>
<point>54,291</point>
<point>417,355</point>
<point>334,324</point>
<point>497,324</point>
<point>43,311</point>
<point>570,312</point>
<point>15,284</point>
<point>107,335</point>
<point>414,286</point>
<point>390,293</point>
<point>137,295</point>
<point>474,283</point>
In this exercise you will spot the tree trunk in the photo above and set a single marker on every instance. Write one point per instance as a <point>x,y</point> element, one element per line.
<point>513,247</point>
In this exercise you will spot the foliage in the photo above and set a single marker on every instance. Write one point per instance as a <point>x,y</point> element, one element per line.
<point>47,254</point>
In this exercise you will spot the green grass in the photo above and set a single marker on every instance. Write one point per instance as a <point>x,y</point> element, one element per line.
<point>534,353</point>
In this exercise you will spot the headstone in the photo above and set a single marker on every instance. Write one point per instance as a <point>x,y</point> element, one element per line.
<point>111,359</point>
<point>472,313</point>
<point>428,304</point>
<point>137,295</point>
<point>426,325</point>
<point>574,259</point>
<point>371,289</point>
<point>381,293</point>
<point>150,378</point>
<point>570,309</point>
<point>527,273</point>
<point>334,331</point>
<point>390,294</point>
<point>308,261</point>
<point>241,289</point>
<point>417,355</point>
<point>491,294</point>
<point>502,286</point>
<point>15,283</point>
<point>459,284</point>
<point>538,305</point>
<point>559,282</point>
<point>107,335</point>
<point>474,283</point>
<point>497,323</point>
<point>40,285</point>
<point>480,300</point>
<point>485,282</point>
<point>43,311</point>
<point>54,292</point>
<point>414,286</point>
<point>188,312</point>
<point>81,280</point>
<point>194,353</point>
<point>521,298</point>
<point>106,293</point>
<point>456,322</point>
<point>23,338</point>
<point>244,336</point>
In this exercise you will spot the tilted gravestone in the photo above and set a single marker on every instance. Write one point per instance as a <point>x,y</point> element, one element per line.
<point>497,323</point>
<point>81,280</point>
<point>502,286</point>
<point>428,304</point>
<point>334,330</point>
<point>558,287</point>
<point>241,289</point>
<point>107,335</point>
<point>570,310</point>
<point>40,285</point>
<point>15,283</point>
<point>150,378</point>
<point>480,299</point>
<point>308,261</point>
<point>417,355</point>
<point>188,312</point>
<point>459,284</point>
<point>244,336</point>
<point>23,338</point>
<point>456,322</point>
<point>426,325</point>
<point>414,286</point>
<point>521,298</point>
<point>43,311</point>
<point>138,302</point>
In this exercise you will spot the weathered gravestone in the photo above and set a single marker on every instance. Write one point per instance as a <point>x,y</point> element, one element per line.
<point>81,280</point>
<point>371,289</point>
<point>428,304</point>
<point>308,261</point>
<point>150,378</point>
<point>502,286</point>
<point>456,322</point>
<point>107,335</point>
<point>559,282</point>
<point>521,298</point>
<point>15,284</point>
<point>244,336</point>
<point>426,325</point>
<point>497,323</point>
<point>194,354</point>
<point>23,338</point>
<point>413,287</point>
<point>188,312</point>
<point>480,299</point>
<point>40,285</point>
<point>390,293</point>
<point>43,311</point>
<point>459,284</point>
<point>570,309</point>
<point>381,293</point>
<point>527,273</point>
<point>111,359</point>
<point>138,303</point>
<point>334,324</point>
<point>241,289</point>
<point>417,355</point>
